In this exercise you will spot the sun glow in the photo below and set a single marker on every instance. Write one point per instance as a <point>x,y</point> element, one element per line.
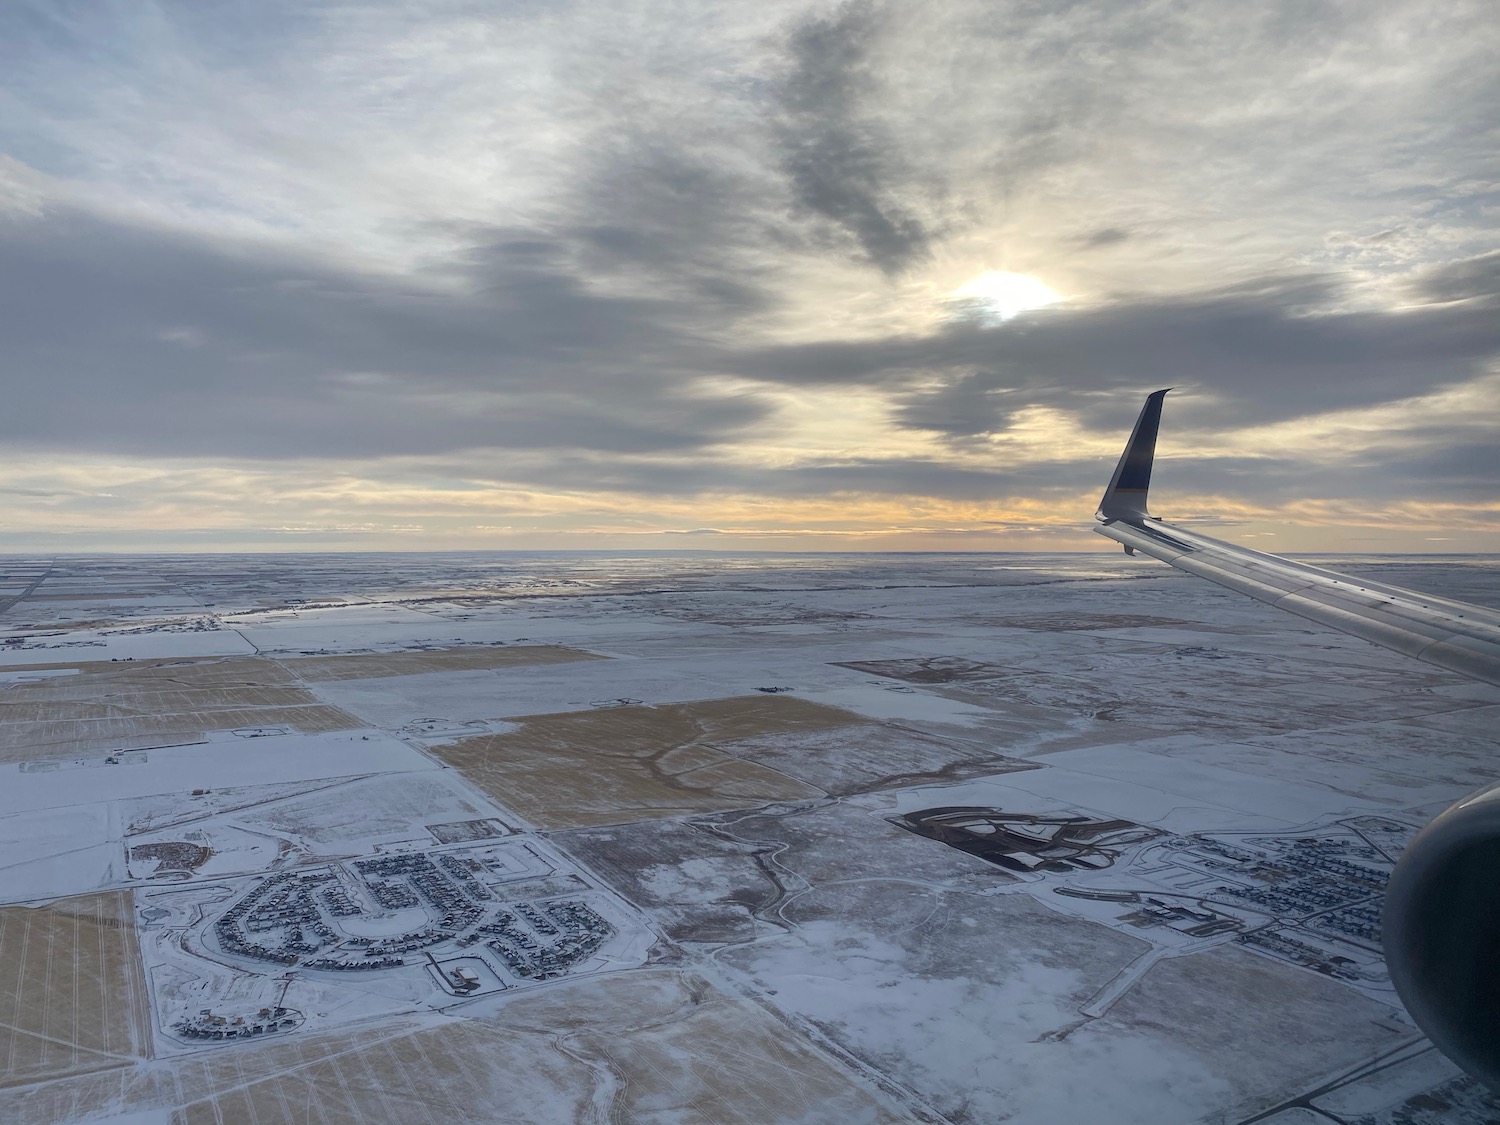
<point>1004,295</point>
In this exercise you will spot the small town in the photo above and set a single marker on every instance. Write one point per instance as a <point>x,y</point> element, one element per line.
<point>305,918</point>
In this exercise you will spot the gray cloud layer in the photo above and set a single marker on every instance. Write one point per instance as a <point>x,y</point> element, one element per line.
<point>704,183</point>
<point>135,341</point>
<point>1260,352</point>
<point>843,163</point>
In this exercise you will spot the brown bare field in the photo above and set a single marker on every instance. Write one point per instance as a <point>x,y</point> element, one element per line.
<point>656,1045</point>
<point>631,763</point>
<point>370,665</point>
<point>145,703</point>
<point>72,995</point>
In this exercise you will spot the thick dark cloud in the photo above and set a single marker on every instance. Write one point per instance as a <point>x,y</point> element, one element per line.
<point>188,349</point>
<point>135,340</point>
<point>1466,470</point>
<point>664,214</point>
<point>864,476</point>
<point>1474,279</point>
<point>843,163</point>
<point>1467,473</point>
<point>1266,353</point>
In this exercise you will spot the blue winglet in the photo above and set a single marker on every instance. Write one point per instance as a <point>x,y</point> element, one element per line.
<point>1125,498</point>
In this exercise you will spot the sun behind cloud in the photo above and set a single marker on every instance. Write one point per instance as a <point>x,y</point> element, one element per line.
<point>1003,295</point>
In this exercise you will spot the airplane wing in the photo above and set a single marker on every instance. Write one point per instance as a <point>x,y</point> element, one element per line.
<point>1454,635</point>
<point>1440,920</point>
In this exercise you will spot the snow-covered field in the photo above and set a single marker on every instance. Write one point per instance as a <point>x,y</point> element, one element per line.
<point>1170,813</point>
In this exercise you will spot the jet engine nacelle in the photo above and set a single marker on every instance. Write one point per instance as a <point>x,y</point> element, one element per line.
<point>1441,932</point>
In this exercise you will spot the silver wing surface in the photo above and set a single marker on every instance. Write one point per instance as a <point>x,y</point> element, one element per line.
<point>1460,637</point>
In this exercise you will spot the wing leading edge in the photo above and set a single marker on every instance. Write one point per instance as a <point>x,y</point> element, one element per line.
<point>1455,635</point>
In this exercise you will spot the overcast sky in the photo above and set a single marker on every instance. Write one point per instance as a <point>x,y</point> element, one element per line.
<point>762,275</point>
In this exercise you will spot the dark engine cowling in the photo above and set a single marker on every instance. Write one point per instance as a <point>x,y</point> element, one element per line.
<point>1441,931</point>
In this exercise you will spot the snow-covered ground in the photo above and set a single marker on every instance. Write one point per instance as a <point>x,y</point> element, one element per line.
<point>1203,952</point>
